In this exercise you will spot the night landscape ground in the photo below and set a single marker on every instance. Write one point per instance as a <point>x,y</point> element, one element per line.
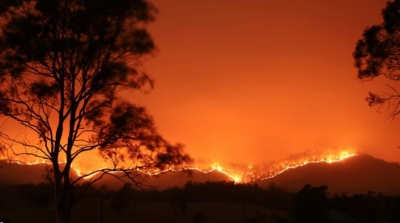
<point>356,189</point>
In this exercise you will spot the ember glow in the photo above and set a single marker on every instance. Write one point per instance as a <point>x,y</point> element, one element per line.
<point>238,173</point>
<point>248,173</point>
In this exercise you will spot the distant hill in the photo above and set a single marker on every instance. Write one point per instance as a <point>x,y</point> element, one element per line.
<point>168,179</point>
<point>13,173</point>
<point>358,174</point>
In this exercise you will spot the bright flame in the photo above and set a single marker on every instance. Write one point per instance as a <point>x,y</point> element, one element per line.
<point>237,173</point>
<point>235,178</point>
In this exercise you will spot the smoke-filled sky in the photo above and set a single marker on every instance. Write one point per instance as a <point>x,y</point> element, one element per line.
<point>258,80</point>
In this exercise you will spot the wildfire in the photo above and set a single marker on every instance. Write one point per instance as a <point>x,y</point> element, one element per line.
<point>321,158</point>
<point>236,172</point>
<point>234,176</point>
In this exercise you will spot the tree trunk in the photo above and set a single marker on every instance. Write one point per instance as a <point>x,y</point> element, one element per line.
<point>62,214</point>
<point>63,206</point>
<point>62,197</point>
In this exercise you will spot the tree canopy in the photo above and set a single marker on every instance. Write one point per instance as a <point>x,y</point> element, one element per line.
<point>377,53</point>
<point>63,66</point>
<point>311,205</point>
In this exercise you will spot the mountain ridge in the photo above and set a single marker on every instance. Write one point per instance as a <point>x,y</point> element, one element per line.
<point>358,174</point>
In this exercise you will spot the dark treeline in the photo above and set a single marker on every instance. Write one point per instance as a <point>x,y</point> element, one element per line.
<point>368,207</point>
<point>273,197</point>
<point>311,204</point>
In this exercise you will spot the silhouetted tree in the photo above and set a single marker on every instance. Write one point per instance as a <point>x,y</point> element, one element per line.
<point>180,200</point>
<point>121,198</point>
<point>2,153</point>
<point>311,205</point>
<point>277,198</point>
<point>102,192</point>
<point>378,54</point>
<point>63,65</point>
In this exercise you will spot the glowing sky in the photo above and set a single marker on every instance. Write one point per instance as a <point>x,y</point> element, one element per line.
<point>258,80</point>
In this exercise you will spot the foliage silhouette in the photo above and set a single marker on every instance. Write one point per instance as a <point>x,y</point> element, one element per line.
<point>63,66</point>
<point>121,199</point>
<point>311,205</point>
<point>378,54</point>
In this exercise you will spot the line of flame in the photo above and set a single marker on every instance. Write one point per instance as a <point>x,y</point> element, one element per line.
<point>238,175</point>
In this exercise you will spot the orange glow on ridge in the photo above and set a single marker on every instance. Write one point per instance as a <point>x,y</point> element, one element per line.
<point>237,173</point>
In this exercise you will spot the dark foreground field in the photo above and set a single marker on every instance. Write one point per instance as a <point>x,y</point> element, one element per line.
<point>200,203</point>
<point>149,212</point>
<point>211,202</point>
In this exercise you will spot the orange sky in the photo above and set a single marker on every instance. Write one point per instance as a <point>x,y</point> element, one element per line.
<point>258,80</point>
<point>255,81</point>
